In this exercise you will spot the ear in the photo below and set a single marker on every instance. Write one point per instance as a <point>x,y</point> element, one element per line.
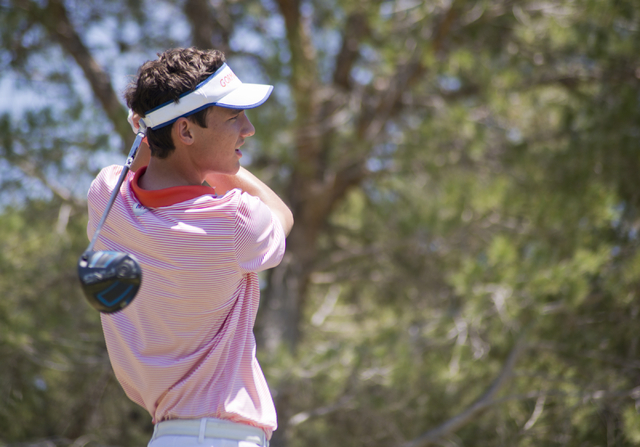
<point>182,131</point>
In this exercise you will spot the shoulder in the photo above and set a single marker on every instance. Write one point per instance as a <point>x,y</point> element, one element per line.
<point>259,237</point>
<point>107,178</point>
<point>254,216</point>
<point>104,183</point>
<point>251,207</point>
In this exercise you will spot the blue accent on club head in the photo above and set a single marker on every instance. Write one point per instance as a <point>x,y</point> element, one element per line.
<point>103,300</point>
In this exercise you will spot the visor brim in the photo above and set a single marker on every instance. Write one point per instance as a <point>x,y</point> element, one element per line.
<point>247,96</point>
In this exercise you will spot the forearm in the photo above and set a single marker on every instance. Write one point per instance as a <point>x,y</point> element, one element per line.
<point>251,184</point>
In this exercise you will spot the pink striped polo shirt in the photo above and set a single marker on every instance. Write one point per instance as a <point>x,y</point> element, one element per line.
<point>185,348</point>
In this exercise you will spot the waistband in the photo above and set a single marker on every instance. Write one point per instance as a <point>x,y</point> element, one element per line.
<point>210,428</point>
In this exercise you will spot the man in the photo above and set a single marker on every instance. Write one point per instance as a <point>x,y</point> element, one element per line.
<point>184,349</point>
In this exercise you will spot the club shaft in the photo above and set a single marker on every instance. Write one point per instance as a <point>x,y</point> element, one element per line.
<point>116,190</point>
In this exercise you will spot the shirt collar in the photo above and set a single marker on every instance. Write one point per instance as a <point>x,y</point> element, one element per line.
<point>168,196</point>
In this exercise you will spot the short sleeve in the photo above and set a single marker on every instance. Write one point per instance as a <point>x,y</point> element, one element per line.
<point>99,194</point>
<point>259,236</point>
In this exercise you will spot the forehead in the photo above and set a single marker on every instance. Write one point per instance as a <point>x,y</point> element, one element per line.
<point>223,111</point>
<point>218,115</point>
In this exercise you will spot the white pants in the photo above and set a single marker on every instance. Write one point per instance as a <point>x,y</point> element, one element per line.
<point>193,441</point>
<point>206,432</point>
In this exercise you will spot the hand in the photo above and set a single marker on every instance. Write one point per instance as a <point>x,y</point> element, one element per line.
<point>144,153</point>
<point>134,120</point>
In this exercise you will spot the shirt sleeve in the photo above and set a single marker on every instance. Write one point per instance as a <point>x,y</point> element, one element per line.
<point>259,237</point>
<point>99,194</point>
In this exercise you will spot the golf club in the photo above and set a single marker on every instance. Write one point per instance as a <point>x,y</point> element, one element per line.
<point>111,279</point>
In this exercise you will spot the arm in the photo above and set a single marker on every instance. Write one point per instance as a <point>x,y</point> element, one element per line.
<point>251,184</point>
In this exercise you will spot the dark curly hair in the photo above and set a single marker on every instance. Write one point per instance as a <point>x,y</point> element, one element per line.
<point>175,72</point>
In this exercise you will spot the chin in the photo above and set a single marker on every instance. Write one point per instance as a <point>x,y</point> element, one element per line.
<point>231,171</point>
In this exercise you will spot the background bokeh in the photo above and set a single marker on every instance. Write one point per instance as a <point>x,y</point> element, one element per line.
<point>464,175</point>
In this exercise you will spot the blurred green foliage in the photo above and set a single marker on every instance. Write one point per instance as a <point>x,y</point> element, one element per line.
<point>501,203</point>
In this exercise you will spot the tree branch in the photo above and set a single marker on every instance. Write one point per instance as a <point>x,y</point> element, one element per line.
<point>210,27</point>
<point>407,74</point>
<point>301,417</point>
<point>356,28</point>
<point>486,400</point>
<point>56,21</point>
<point>304,78</point>
<point>346,178</point>
<point>63,193</point>
<point>373,124</point>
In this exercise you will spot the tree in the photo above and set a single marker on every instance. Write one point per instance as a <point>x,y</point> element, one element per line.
<point>462,176</point>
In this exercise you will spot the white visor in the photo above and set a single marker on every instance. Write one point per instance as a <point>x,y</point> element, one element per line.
<point>223,88</point>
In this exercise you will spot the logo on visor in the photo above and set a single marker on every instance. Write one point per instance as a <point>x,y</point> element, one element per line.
<point>228,79</point>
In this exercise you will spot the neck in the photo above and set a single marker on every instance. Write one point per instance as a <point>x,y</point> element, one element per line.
<point>169,172</point>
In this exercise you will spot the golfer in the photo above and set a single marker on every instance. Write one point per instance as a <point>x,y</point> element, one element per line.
<point>201,227</point>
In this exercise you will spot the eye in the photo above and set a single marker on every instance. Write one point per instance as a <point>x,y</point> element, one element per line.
<point>237,115</point>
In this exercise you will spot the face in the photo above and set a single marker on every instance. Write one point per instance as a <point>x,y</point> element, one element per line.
<point>217,146</point>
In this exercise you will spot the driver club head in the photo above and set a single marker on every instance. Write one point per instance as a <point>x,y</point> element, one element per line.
<point>109,279</point>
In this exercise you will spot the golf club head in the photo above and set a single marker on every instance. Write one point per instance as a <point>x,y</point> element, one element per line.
<point>109,279</point>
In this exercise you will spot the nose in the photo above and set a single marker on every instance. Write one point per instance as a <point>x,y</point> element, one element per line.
<point>247,128</point>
